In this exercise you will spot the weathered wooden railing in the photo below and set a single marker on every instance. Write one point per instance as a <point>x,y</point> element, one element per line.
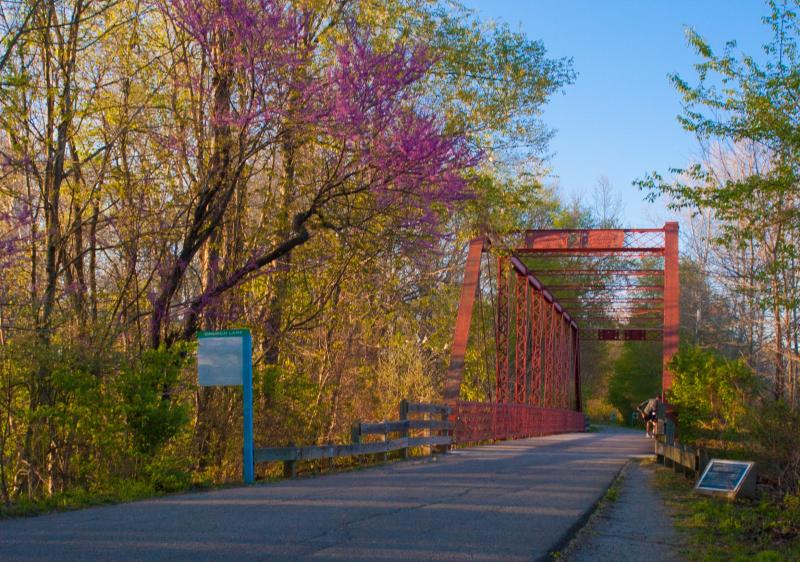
<point>672,453</point>
<point>396,436</point>
<point>441,427</point>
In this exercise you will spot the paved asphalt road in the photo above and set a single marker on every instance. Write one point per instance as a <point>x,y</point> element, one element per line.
<point>512,501</point>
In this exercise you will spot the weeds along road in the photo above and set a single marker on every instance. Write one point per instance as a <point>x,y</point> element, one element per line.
<point>517,500</point>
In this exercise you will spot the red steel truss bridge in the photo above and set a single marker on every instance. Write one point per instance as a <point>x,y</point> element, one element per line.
<point>556,289</point>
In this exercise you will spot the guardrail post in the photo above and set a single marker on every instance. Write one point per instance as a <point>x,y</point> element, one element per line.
<point>327,463</point>
<point>427,432</point>
<point>668,443</point>
<point>703,459</point>
<point>404,432</point>
<point>678,466</point>
<point>355,435</point>
<point>659,445</point>
<point>443,449</point>
<point>385,455</point>
<point>290,467</point>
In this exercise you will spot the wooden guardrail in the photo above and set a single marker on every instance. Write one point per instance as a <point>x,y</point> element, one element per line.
<point>437,433</point>
<point>670,452</point>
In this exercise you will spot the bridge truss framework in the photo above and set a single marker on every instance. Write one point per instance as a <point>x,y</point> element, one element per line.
<point>562,286</point>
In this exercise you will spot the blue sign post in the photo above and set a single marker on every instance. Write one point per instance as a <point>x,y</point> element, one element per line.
<point>247,397</point>
<point>225,358</point>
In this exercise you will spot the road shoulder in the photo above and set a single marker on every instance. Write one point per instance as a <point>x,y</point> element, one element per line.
<point>631,523</point>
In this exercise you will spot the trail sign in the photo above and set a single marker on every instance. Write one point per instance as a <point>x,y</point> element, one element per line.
<point>221,357</point>
<point>728,478</point>
<point>225,358</point>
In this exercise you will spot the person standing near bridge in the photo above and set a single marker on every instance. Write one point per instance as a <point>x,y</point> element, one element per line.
<point>649,412</point>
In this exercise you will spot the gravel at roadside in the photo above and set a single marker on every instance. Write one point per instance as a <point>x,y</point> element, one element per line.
<point>632,524</point>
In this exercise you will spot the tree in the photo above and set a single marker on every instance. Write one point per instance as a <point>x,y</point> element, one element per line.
<point>607,205</point>
<point>749,107</point>
<point>307,169</point>
<point>379,156</point>
<point>636,376</point>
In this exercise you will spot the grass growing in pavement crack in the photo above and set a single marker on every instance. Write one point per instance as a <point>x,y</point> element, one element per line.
<point>612,494</point>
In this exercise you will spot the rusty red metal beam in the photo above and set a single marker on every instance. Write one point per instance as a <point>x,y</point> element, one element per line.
<point>611,299</point>
<point>469,288</point>
<point>522,269</point>
<point>587,328</point>
<point>617,308</point>
<point>671,301</point>
<point>623,334</point>
<point>546,346</point>
<point>501,337</point>
<point>551,357</point>
<point>477,421</point>
<point>588,238</point>
<point>595,272</point>
<point>591,230</point>
<point>537,307</point>
<point>549,349</point>
<point>591,251</point>
<point>521,338</point>
<point>564,365</point>
<point>577,372</point>
<point>583,287</point>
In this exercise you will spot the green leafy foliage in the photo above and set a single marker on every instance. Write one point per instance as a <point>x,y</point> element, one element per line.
<point>636,377</point>
<point>169,473</point>
<point>152,417</point>
<point>744,110</point>
<point>711,393</point>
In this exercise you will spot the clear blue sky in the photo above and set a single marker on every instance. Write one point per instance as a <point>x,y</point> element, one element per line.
<point>619,118</point>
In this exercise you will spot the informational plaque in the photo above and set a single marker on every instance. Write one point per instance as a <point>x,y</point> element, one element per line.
<point>728,478</point>
<point>221,357</point>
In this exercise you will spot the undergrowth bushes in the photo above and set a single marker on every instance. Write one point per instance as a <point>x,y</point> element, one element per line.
<point>725,406</point>
<point>711,394</point>
<point>95,426</point>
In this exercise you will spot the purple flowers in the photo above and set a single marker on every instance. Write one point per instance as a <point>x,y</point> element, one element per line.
<point>358,99</point>
<point>335,117</point>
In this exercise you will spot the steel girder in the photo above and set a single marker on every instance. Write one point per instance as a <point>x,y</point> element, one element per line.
<point>520,339</point>
<point>501,336</point>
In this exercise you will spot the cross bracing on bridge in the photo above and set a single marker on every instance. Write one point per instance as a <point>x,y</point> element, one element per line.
<point>563,286</point>
<point>618,284</point>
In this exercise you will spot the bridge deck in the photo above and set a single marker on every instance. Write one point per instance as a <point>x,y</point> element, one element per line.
<point>512,501</point>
